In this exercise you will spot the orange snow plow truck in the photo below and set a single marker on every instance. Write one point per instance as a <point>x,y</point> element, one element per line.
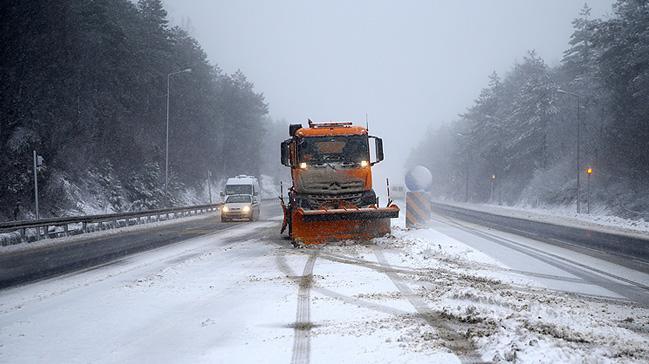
<point>332,197</point>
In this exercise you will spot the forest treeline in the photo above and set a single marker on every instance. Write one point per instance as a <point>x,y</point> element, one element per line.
<point>84,83</point>
<point>517,143</point>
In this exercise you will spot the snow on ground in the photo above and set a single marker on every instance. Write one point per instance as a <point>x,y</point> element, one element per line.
<point>511,321</point>
<point>503,316</point>
<point>599,220</point>
<point>245,295</point>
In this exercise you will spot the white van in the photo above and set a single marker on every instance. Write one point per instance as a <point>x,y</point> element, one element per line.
<point>242,185</point>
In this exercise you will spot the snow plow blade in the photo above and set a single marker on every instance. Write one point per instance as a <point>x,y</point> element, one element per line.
<point>320,226</point>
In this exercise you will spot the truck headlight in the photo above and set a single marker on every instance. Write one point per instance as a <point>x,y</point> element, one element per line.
<point>225,209</point>
<point>246,209</point>
<point>303,165</point>
<point>364,164</point>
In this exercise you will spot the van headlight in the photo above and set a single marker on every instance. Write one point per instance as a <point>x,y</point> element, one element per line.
<point>246,209</point>
<point>225,209</point>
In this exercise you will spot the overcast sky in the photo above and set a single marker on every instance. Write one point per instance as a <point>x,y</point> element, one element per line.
<point>408,64</point>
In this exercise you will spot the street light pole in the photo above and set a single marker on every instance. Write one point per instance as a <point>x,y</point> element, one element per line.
<point>578,97</point>
<point>167,132</point>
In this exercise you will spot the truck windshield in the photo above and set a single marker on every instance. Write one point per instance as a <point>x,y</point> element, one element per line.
<point>347,148</point>
<point>238,189</point>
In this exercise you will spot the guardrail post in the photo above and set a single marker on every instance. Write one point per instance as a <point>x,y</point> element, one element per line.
<point>22,234</point>
<point>65,229</point>
<point>84,227</point>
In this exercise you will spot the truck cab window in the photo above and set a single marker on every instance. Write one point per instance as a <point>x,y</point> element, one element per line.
<point>333,149</point>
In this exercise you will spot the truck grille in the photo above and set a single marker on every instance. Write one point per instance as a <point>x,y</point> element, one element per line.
<point>335,187</point>
<point>331,201</point>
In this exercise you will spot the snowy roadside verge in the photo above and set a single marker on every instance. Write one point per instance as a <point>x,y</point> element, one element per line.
<point>506,317</point>
<point>509,319</point>
<point>564,217</point>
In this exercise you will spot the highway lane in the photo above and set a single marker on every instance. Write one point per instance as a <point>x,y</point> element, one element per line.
<point>560,266</point>
<point>241,294</point>
<point>88,250</point>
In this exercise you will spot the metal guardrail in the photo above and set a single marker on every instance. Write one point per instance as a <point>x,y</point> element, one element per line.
<point>635,247</point>
<point>30,230</point>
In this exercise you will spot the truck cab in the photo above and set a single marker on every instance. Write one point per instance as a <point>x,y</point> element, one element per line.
<point>330,165</point>
<point>332,197</point>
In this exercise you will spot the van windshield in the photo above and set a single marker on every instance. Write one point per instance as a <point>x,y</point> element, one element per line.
<point>238,199</point>
<point>238,189</point>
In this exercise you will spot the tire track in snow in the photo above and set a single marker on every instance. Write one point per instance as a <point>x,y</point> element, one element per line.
<point>632,290</point>
<point>302,326</point>
<point>284,268</point>
<point>458,343</point>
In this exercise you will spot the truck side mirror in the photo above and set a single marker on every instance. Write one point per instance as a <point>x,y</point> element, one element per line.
<point>286,155</point>
<point>293,128</point>
<point>378,149</point>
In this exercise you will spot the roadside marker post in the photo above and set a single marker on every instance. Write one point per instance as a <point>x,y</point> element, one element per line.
<point>417,210</point>
<point>418,206</point>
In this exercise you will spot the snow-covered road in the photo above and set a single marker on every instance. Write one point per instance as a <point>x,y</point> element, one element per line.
<point>453,293</point>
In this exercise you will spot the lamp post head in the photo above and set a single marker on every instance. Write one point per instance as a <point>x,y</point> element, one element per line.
<point>589,171</point>
<point>493,176</point>
<point>187,70</point>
